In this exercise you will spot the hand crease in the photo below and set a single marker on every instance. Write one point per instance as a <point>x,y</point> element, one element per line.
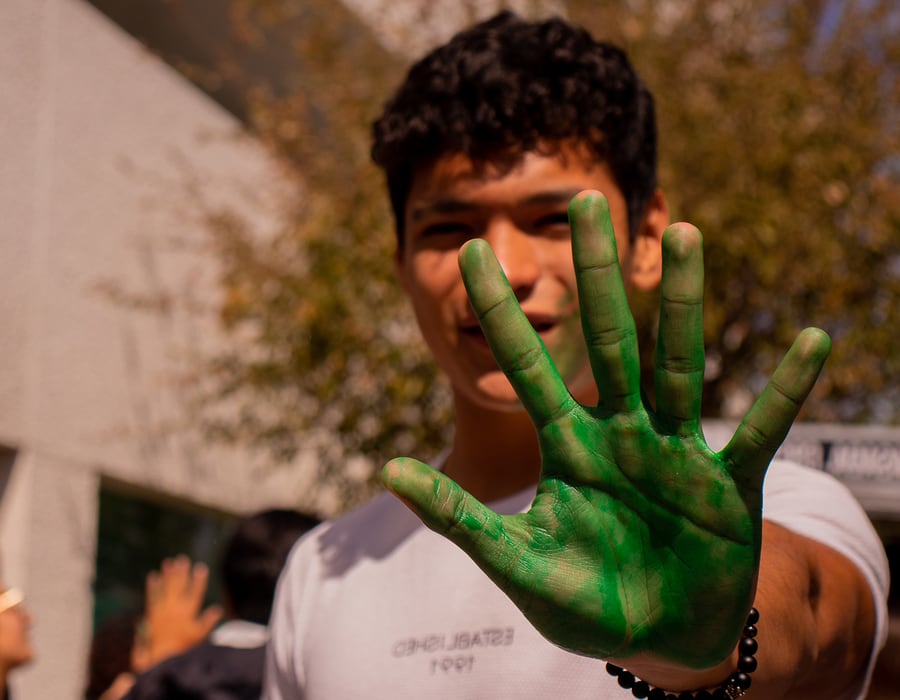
<point>598,267</point>
<point>682,302</point>
<point>608,336</point>
<point>669,508</point>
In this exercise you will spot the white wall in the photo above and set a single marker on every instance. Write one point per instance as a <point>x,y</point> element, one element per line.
<point>97,140</point>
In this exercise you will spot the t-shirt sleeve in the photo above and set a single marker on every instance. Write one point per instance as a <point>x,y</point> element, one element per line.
<point>814,504</point>
<point>281,679</point>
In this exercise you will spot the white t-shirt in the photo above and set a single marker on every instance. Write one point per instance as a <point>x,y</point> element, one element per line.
<point>375,605</point>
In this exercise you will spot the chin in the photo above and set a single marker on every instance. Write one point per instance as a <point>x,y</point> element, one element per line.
<point>493,391</point>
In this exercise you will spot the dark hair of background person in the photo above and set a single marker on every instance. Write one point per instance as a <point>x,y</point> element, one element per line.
<point>507,86</point>
<point>254,557</point>
<point>110,653</point>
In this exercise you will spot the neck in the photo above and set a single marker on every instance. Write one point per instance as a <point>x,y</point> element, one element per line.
<point>495,453</point>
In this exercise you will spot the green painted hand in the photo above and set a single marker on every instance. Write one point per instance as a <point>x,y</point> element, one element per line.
<point>641,539</point>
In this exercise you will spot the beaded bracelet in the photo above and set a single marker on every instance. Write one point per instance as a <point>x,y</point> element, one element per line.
<point>734,687</point>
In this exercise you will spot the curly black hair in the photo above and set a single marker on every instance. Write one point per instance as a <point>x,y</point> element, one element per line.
<point>508,86</point>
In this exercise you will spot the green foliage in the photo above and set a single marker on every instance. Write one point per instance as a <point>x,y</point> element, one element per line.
<point>778,139</point>
<point>327,354</point>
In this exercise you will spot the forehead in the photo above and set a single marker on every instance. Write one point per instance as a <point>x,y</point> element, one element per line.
<point>559,168</point>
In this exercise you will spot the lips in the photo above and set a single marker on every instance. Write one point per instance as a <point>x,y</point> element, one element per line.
<point>542,324</point>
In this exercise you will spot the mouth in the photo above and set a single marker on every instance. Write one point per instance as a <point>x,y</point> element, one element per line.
<point>541,324</point>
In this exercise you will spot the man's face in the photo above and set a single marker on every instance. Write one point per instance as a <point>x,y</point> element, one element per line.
<point>522,212</point>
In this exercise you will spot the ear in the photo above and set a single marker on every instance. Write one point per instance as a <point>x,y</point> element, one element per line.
<point>646,252</point>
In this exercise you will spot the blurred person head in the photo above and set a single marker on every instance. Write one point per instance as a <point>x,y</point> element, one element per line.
<point>254,557</point>
<point>15,624</point>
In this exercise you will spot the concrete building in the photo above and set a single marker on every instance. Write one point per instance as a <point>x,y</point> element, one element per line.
<point>103,148</point>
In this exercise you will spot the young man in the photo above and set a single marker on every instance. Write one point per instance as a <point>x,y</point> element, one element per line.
<point>611,532</point>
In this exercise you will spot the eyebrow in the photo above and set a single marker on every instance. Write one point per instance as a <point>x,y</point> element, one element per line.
<point>458,206</point>
<point>441,206</point>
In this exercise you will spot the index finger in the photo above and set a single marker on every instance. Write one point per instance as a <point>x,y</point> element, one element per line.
<point>518,349</point>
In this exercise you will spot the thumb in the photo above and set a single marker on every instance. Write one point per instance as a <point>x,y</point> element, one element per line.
<point>210,617</point>
<point>448,509</point>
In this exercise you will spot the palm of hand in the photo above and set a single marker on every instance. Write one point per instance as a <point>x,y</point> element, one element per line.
<point>174,619</point>
<point>649,541</point>
<point>640,538</point>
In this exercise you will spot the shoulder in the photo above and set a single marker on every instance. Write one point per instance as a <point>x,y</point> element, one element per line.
<point>323,571</point>
<point>201,670</point>
<point>816,505</point>
<point>804,498</point>
<point>369,532</point>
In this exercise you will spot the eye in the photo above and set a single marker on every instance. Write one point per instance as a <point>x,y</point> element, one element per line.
<point>442,235</point>
<point>446,228</point>
<point>556,222</point>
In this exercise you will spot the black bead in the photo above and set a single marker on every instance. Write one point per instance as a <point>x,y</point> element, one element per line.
<point>613,670</point>
<point>641,689</point>
<point>657,694</point>
<point>685,695</point>
<point>748,646</point>
<point>741,680</point>
<point>753,616</point>
<point>747,664</point>
<point>703,695</point>
<point>750,631</point>
<point>720,694</point>
<point>626,679</point>
<point>671,696</point>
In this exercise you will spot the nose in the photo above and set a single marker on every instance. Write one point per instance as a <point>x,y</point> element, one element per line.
<point>517,254</point>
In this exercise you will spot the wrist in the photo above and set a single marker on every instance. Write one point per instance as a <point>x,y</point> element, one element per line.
<point>655,679</point>
<point>674,678</point>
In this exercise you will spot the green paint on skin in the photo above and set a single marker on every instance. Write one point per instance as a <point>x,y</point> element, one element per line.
<point>679,356</point>
<point>637,532</point>
<point>670,548</point>
<point>715,495</point>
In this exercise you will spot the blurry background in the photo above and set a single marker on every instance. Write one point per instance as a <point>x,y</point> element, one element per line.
<point>198,311</point>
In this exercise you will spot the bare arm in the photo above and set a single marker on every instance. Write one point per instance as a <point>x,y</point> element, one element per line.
<point>819,620</point>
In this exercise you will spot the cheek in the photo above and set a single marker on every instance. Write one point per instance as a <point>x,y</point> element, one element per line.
<point>432,278</point>
<point>12,636</point>
<point>568,348</point>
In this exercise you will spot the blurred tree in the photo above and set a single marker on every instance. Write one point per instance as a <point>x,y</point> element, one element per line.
<point>326,353</point>
<point>778,139</point>
<point>329,354</point>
